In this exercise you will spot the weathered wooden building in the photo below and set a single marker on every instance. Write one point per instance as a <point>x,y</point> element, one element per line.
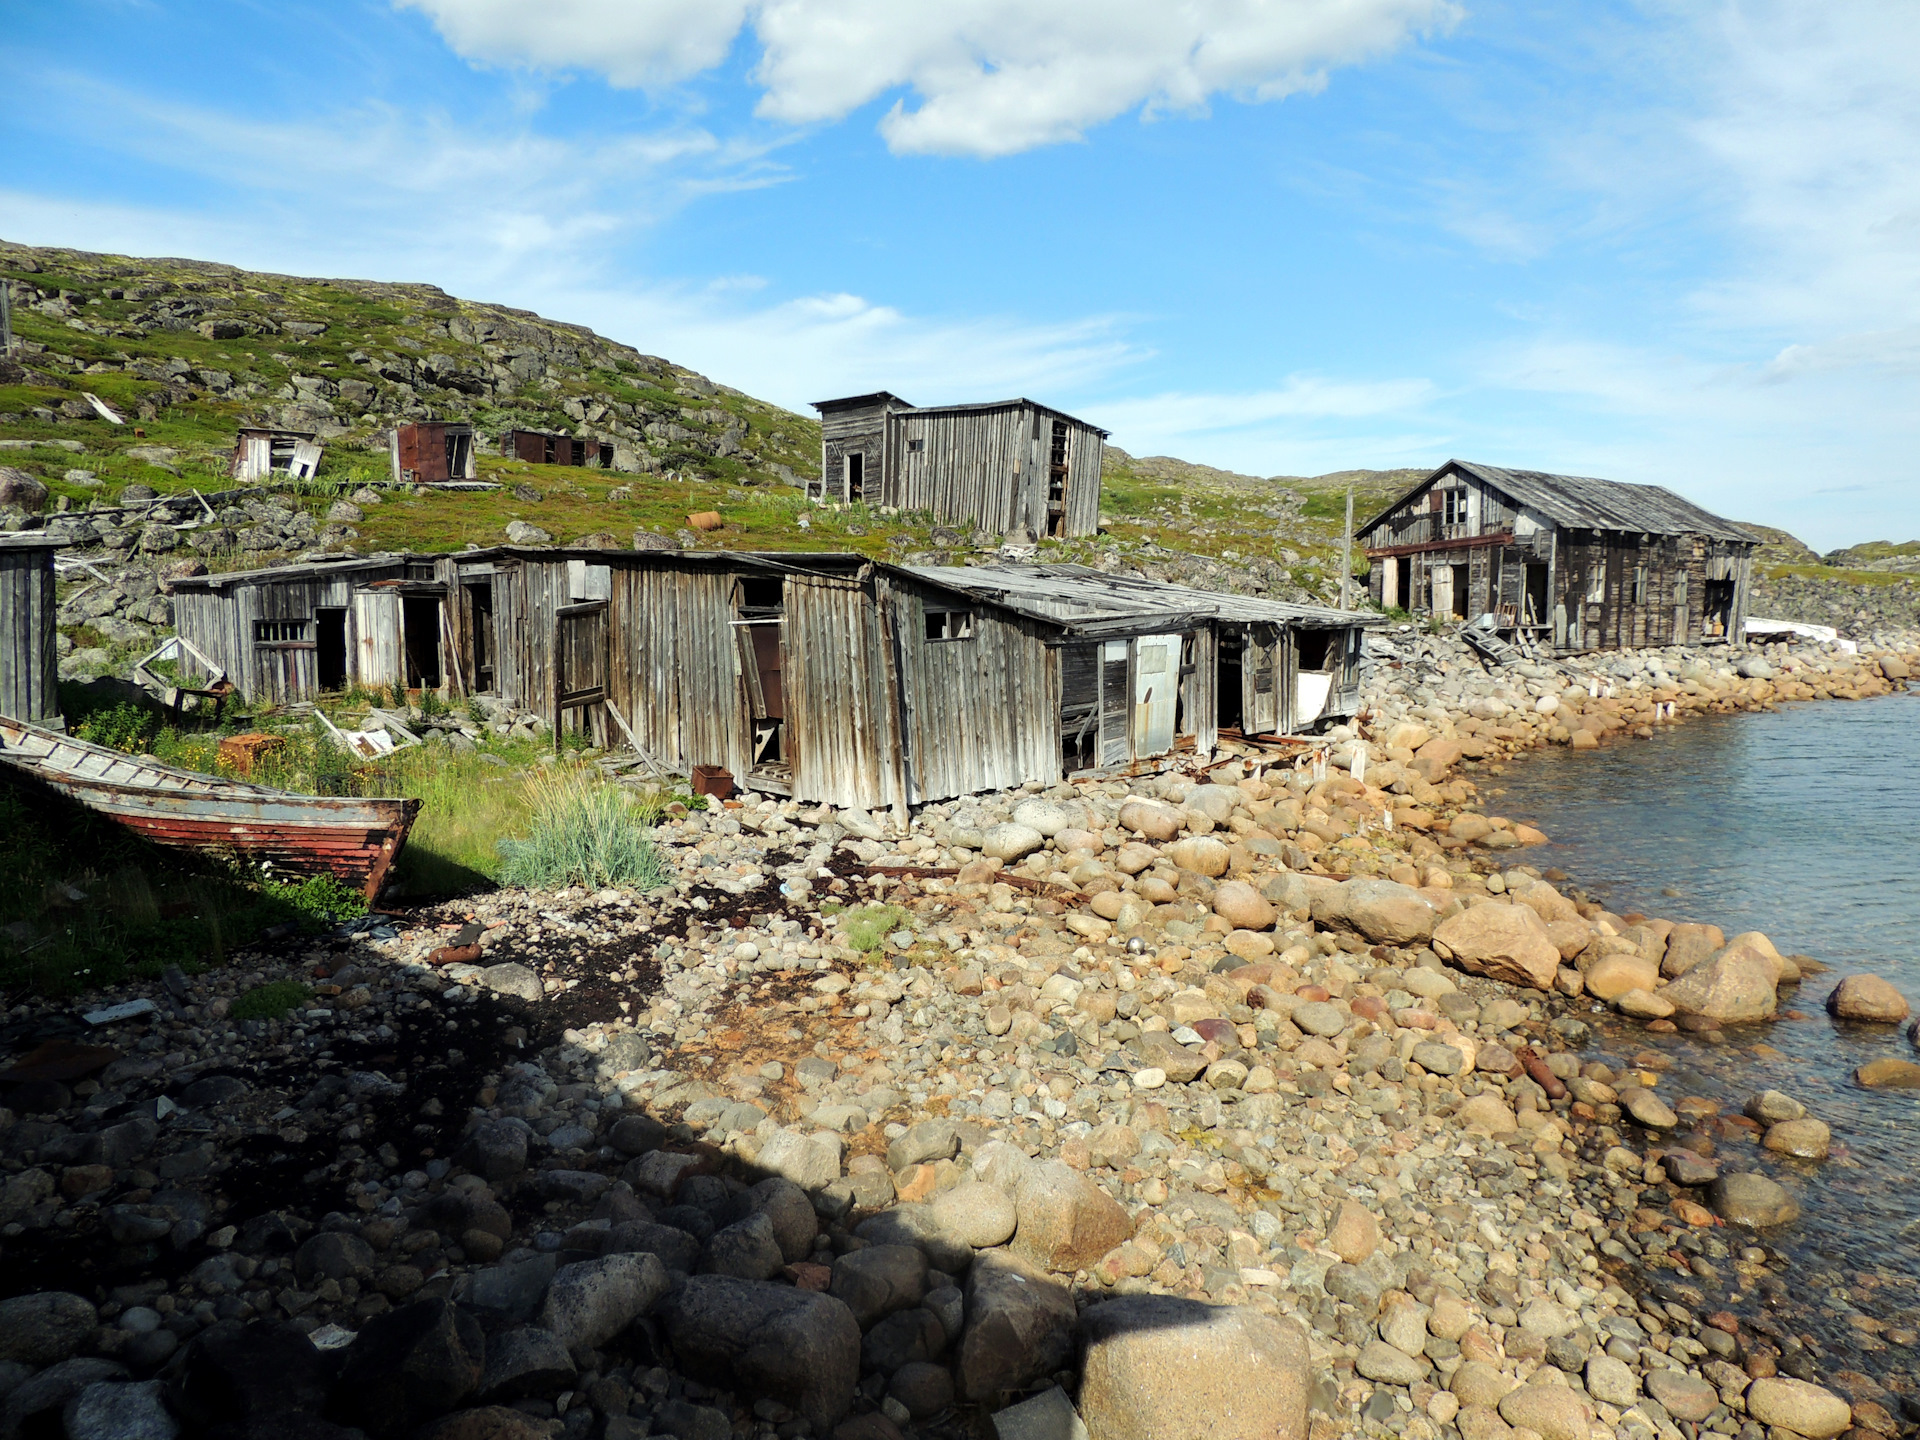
<point>29,667</point>
<point>1003,466</point>
<point>828,677</point>
<point>293,631</point>
<point>259,453</point>
<point>537,447</point>
<point>1574,563</point>
<point>432,452</point>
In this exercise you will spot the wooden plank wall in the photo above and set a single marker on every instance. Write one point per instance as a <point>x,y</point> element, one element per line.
<point>1086,452</point>
<point>972,468</point>
<point>29,669</point>
<point>844,735</point>
<point>980,714</point>
<point>222,624</point>
<point>527,597</point>
<point>674,670</point>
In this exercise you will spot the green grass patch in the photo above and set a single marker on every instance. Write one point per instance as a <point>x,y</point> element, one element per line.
<point>867,928</point>
<point>585,831</point>
<point>270,1002</point>
<point>1829,572</point>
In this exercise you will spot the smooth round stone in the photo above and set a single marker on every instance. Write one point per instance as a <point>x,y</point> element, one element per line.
<point>1010,841</point>
<point>1151,1078</point>
<point>1649,1109</point>
<point>1683,1167</point>
<point>1753,1201</point>
<point>1686,1397</point>
<point>1888,1074</point>
<point>1802,1139</point>
<point>1380,1362</point>
<point>1796,1405</point>
<point>1868,998</point>
<point>1322,1018</point>
<point>1770,1107</point>
<point>1438,1058</point>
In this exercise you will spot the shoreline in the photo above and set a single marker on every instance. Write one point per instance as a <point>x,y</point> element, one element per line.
<point>1146,1045</point>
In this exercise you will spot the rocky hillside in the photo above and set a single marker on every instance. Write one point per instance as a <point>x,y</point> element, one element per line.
<point>186,350</point>
<point>1902,557</point>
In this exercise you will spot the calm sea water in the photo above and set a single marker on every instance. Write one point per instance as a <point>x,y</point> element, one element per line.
<point>1805,824</point>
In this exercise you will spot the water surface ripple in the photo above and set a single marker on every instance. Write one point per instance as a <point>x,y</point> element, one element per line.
<point>1803,823</point>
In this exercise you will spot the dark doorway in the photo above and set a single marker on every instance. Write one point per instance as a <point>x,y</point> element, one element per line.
<point>1079,707</point>
<point>1057,480</point>
<point>1717,607</point>
<point>856,476</point>
<point>480,629</point>
<point>1227,686</point>
<point>1462,591</point>
<point>1403,582</point>
<point>420,615</point>
<point>330,648</point>
<point>1534,604</point>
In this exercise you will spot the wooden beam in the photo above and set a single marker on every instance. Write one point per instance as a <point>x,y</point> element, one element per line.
<point>1471,542</point>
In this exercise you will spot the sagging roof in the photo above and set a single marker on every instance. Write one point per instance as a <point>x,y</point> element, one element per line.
<point>901,407</point>
<point>310,570</point>
<point>1582,503</point>
<point>1082,599</point>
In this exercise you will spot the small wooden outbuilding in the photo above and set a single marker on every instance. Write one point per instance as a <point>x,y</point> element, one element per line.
<point>1004,466</point>
<point>259,453</point>
<point>29,666</point>
<point>1562,560</point>
<point>538,447</point>
<point>432,452</point>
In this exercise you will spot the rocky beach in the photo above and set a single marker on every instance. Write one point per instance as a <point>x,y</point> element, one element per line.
<point>1289,1094</point>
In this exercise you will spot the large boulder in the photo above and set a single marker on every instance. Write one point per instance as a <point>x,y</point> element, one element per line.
<point>1556,1412</point>
<point>1242,906</point>
<point>1504,942</point>
<point>1612,976</point>
<point>795,1346</point>
<point>1065,1221</point>
<point>877,1281</point>
<point>1736,984</point>
<point>591,1302</point>
<point>1387,912</point>
<point>1201,854</point>
<point>1151,819</point>
<point>1867,997</point>
<point>1156,1367</point>
<point>44,1328</point>
<point>21,490</point>
<point>1799,1406</point>
<point>1019,1327</point>
<point>1753,1202</point>
<point>409,1365</point>
<point>1688,945</point>
<point>234,1372</point>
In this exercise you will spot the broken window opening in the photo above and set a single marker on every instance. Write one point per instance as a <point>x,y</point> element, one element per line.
<point>280,633</point>
<point>949,624</point>
<point>1315,649</point>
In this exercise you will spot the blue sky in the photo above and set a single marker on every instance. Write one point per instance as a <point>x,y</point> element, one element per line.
<point>1675,243</point>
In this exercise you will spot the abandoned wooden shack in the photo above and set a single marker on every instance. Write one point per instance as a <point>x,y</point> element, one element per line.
<point>29,666</point>
<point>1561,561</point>
<point>826,676</point>
<point>836,679</point>
<point>432,452</point>
<point>293,631</point>
<point>260,453</point>
<point>1006,466</point>
<point>537,447</point>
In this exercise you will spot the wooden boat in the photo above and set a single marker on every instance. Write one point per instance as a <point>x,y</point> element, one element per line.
<point>353,839</point>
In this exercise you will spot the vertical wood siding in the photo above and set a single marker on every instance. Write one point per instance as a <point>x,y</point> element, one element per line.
<point>29,670</point>
<point>844,732</point>
<point>674,669</point>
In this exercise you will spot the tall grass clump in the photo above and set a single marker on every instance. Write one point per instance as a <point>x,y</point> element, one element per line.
<point>584,832</point>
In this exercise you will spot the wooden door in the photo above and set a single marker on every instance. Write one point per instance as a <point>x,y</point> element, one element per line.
<point>580,667</point>
<point>1156,672</point>
<point>1259,681</point>
<point>379,643</point>
<point>1114,694</point>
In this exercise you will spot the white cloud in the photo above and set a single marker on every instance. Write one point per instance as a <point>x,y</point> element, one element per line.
<point>989,77</point>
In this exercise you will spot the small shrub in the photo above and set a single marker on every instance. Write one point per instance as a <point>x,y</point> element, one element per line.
<point>584,833</point>
<point>867,929</point>
<point>270,1002</point>
<point>322,900</point>
<point>125,726</point>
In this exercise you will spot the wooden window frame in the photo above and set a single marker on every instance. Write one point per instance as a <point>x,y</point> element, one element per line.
<point>944,619</point>
<point>266,636</point>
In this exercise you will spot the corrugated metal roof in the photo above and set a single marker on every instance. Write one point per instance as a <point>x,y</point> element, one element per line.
<point>1077,597</point>
<point>1583,503</point>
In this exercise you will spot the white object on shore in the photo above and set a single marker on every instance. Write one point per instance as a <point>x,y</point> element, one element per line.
<point>1825,634</point>
<point>1359,760</point>
<point>125,1010</point>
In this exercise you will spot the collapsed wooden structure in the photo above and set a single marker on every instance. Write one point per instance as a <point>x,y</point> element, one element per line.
<point>1004,466</point>
<point>1560,560</point>
<point>259,453</point>
<point>825,676</point>
<point>29,665</point>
